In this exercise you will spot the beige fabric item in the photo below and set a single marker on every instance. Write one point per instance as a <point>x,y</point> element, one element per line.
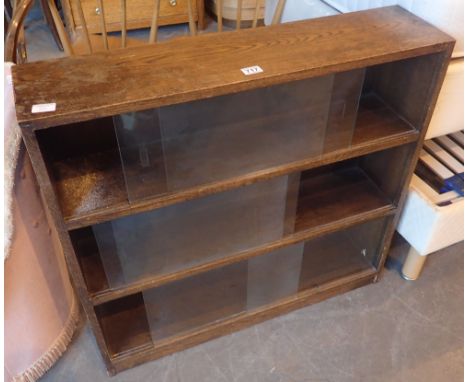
<point>41,310</point>
<point>11,144</point>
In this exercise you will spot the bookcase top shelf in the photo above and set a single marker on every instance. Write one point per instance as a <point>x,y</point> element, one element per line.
<point>188,68</point>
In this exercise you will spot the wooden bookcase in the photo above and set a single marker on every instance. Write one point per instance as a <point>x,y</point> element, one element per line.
<point>192,200</point>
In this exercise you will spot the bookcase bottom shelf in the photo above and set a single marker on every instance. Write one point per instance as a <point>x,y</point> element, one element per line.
<point>177,315</point>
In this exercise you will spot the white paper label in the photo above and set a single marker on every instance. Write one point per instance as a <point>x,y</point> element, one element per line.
<point>43,107</point>
<point>252,70</point>
<point>9,79</point>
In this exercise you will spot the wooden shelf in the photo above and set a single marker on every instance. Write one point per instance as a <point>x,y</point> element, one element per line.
<point>91,191</point>
<point>275,190</point>
<point>90,184</point>
<point>314,48</point>
<point>125,325</point>
<point>185,308</point>
<point>327,202</point>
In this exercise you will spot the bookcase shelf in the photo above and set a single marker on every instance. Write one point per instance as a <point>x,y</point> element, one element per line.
<point>91,189</point>
<point>191,204</point>
<point>226,294</point>
<point>327,201</point>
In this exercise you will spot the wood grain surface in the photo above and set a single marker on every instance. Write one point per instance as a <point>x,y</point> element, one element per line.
<point>186,69</point>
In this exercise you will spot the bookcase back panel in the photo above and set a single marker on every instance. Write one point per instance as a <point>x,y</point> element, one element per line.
<point>406,85</point>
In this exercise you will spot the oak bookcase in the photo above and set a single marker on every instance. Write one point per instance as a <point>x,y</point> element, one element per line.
<point>193,200</point>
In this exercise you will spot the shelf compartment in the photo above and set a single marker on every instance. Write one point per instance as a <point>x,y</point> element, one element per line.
<point>84,165</point>
<point>91,192</point>
<point>178,147</point>
<point>231,292</point>
<point>145,250</point>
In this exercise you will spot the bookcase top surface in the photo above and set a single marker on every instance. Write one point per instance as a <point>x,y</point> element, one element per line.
<point>190,68</point>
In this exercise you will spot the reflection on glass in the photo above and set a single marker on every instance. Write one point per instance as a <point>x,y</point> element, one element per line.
<point>187,145</point>
<point>198,231</point>
<point>225,292</point>
<point>171,239</point>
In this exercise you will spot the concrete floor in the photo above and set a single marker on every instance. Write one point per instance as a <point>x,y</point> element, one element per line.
<point>394,330</point>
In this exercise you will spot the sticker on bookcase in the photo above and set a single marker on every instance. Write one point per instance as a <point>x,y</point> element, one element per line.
<point>252,70</point>
<point>43,107</point>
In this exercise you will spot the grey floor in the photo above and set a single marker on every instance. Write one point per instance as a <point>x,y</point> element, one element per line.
<point>394,330</point>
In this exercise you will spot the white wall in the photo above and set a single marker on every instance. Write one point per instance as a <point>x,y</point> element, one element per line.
<point>447,15</point>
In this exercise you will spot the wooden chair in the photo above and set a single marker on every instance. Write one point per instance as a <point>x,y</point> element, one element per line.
<point>87,43</point>
<point>84,42</point>
<point>15,47</point>
<point>276,16</point>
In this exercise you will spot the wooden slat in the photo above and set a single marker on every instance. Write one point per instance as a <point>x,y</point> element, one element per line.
<point>437,167</point>
<point>432,194</point>
<point>102,19</point>
<point>123,21</point>
<point>238,14</point>
<point>60,28</point>
<point>154,22</point>
<point>443,156</point>
<point>192,26</point>
<point>314,47</point>
<point>458,137</point>
<point>452,147</point>
<point>219,14</point>
<point>278,12</point>
<point>257,13</point>
<point>83,25</point>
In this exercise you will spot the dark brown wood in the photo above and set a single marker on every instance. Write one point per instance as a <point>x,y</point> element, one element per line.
<point>412,91</point>
<point>355,190</point>
<point>385,168</point>
<point>124,81</point>
<point>324,199</point>
<point>87,252</point>
<point>125,325</point>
